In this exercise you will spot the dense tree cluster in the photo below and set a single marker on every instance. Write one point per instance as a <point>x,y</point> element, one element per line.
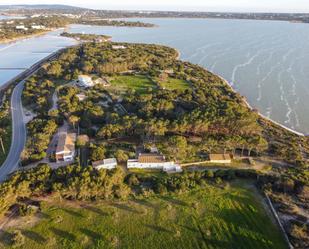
<point>39,133</point>
<point>85,37</point>
<point>86,183</point>
<point>209,110</point>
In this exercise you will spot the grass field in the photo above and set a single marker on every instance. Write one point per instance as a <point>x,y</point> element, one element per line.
<point>175,84</point>
<point>139,83</point>
<point>210,218</point>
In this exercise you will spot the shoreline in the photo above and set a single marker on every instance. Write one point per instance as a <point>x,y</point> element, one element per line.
<point>178,58</point>
<point>27,37</point>
<point>259,113</point>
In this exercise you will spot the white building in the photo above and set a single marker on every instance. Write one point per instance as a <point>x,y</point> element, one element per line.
<point>153,161</point>
<point>21,27</point>
<point>65,150</point>
<point>85,81</point>
<point>38,27</point>
<point>118,47</point>
<point>81,96</point>
<point>109,163</point>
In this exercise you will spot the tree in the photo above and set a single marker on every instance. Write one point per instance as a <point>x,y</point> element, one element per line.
<point>2,133</point>
<point>97,153</point>
<point>18,239</point>
<point>121,156</point>
<point>55,69</point>
<point>178,146</point>
<point>73,120</point>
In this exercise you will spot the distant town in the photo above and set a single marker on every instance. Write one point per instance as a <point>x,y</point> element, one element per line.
<point>75,12</point>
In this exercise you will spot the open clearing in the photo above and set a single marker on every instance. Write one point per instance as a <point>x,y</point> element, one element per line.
<point>175,84</point>
<point>213,217</point>
<point>138,83</point>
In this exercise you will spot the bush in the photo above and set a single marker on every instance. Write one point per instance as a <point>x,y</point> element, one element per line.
<point>209,174</point>
<point>121,156</point>
<point>18,239</point>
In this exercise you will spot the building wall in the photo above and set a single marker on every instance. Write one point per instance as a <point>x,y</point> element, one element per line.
<point>136,164</point>
<point>220,161</point>
<point>106,166</point>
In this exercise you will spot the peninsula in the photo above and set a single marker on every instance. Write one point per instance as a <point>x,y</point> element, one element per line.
<point>118,128</point>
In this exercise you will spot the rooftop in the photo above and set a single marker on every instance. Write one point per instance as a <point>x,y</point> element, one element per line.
<point>104,162</point>
<point>66,142</point>
<point>151,158</point>
<point>219,157</point>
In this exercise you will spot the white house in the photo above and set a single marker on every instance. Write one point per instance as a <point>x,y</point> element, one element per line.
<point>65,150</point>
<point>153,161</point>
<point>85,81</point>
<point>109,163</point>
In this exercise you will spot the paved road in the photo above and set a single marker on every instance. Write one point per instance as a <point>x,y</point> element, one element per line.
<point>19,127</point>
<point>18,133</point>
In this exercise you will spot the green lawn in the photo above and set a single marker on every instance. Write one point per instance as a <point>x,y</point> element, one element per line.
<point>139,83</point>
<point>209,218</point>
<point>175,84</point>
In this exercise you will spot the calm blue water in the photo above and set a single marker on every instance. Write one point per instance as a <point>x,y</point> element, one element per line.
<point>25,53</point>
<point>266,61</point>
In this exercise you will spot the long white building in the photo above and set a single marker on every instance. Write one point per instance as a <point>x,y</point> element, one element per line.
<point>153,161</point>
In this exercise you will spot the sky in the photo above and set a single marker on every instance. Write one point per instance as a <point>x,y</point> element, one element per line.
<point>182,5</point>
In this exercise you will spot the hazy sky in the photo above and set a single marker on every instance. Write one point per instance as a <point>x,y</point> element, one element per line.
<point>202,5</point>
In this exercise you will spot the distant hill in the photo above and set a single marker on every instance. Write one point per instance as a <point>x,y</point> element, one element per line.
<point>40,6</point>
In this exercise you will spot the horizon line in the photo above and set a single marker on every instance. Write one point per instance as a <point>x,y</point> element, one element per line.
<point>166,10</point>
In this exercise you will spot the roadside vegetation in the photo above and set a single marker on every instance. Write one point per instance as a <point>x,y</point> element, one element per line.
<point>5,125</point>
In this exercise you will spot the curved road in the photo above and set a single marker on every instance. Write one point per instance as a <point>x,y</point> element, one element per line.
<point>18,133</point>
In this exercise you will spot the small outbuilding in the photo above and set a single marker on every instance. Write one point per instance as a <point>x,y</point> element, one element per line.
<point>109,163</point>
<point>81,96</point>
<point>85,81</point>
<point>220,158</point>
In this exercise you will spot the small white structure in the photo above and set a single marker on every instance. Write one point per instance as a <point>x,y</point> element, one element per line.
<point>118,47</point>
<point>220,158</point>
<point>38,27</point>
<point>21,27</point>
<point>81,96</point>
<point>109,163</point>
<point>65,150</point>
<point>85,81</point>
<point>153,161</point>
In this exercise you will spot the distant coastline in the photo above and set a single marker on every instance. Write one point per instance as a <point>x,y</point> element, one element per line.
<point>25,37</point>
